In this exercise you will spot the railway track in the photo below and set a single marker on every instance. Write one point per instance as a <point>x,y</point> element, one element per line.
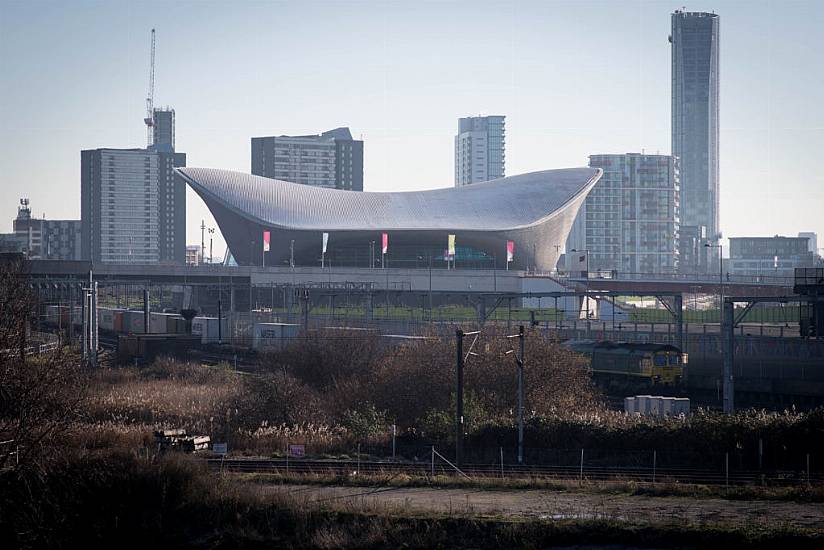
<point>591,473</point>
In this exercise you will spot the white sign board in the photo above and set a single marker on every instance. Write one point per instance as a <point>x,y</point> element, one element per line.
<point>297,450</point>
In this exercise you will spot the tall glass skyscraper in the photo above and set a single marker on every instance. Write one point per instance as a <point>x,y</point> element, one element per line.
<point>695,74</point>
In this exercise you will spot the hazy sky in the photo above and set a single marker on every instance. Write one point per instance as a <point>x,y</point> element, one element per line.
<point>573,78</point>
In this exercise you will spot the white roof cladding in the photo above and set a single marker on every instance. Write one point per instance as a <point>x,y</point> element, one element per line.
<point>503,204</point>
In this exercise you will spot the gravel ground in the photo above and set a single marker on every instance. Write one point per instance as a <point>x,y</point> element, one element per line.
<point>538,504</point>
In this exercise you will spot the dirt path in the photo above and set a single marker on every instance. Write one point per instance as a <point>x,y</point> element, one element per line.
<point>560,505</point>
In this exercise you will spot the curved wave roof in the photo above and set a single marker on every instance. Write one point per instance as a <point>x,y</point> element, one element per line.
<point>503,204</point>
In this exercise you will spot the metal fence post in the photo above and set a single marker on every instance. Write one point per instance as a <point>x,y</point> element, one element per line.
<point>394,433</point>
<point>287,458</point>
<point>502,463</point>
<point>808,469</point>
<point>654,464</point>
<point>760,453</point>
<point>727,469</point>
<point>433,461</point>
<point>581,475</point>
<point>358,471</point>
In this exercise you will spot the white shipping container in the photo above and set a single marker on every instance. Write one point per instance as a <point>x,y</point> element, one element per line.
<point>105,318</point>
<point>274,335</point>
<point>159,322</point>
<point>681,405</point>
<point>207,329</point>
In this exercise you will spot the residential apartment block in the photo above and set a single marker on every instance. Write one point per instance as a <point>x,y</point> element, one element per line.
<point>480,149</point>
<point>133,206</point>
<point>630,220</point>
<point>332,159</point>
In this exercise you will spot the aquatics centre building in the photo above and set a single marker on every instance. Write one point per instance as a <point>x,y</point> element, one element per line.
<point>534,211</point>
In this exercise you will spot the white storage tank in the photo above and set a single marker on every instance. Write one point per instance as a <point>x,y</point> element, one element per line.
<point>274,335</point>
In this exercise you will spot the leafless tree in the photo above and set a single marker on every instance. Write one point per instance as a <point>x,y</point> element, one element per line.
<point>40,395</point>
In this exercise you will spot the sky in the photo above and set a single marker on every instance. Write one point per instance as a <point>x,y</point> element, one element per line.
<point>573,78</point>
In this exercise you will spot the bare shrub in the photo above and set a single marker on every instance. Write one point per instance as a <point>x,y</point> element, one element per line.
<point>336,363</point>
<point>420,377</point>
<point>279,398</point>
<point>40,395</point>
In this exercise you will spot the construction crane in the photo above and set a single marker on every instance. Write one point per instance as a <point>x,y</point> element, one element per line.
<point>149,120</point>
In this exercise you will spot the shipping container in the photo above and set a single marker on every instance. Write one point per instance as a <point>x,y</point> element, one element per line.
<point>117,320</point>
<point>159,322</point>
<point>133,322</point>
<point>207,329</point>
<point>274,336</point>
<point>105,319</point>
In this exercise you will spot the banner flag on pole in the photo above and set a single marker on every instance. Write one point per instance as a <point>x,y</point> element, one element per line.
<point>266,241</point>
<point>510,250</point>
<point>325,240</point>
<point>384,243</point>
<point>451,245</point>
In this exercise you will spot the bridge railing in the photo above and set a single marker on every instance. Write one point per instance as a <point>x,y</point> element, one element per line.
<point>728,278</point>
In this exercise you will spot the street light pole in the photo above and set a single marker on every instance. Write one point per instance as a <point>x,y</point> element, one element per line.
<point>211,234</point>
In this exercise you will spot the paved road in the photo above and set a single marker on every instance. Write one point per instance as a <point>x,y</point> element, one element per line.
<point>543,504</point>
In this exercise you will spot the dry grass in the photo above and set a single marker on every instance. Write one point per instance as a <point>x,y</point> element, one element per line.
<point>609,487</point>
<point>127,405</point>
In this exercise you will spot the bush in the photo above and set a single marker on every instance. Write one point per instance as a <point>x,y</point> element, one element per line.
<point>365,421</point>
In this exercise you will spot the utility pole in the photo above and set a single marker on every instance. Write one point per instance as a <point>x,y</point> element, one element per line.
<point>459,419</point>
<point>519,361</point>
<point>521,395</point>
<point>728,338</point>
<point>202,240</point>
<point>292,254</point>
<point>146,311</point>
<point>90,322</point>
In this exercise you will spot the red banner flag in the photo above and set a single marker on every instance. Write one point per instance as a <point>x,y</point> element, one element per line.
<point>510,250</point>
<point>266,241</point>
<point>385,243</point>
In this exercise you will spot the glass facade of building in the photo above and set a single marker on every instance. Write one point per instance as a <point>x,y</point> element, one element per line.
<point>629,222</point>
<point>695,77</point>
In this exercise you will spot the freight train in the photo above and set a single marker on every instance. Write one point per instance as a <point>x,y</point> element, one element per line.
<point>652,363</point>
<point>116,321</point>
<point>119,321</point>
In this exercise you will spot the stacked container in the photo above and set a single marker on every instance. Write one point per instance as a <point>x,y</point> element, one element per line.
<point>274,336</point>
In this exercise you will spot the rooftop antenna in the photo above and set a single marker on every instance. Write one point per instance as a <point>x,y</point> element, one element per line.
<point>149,120</point>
